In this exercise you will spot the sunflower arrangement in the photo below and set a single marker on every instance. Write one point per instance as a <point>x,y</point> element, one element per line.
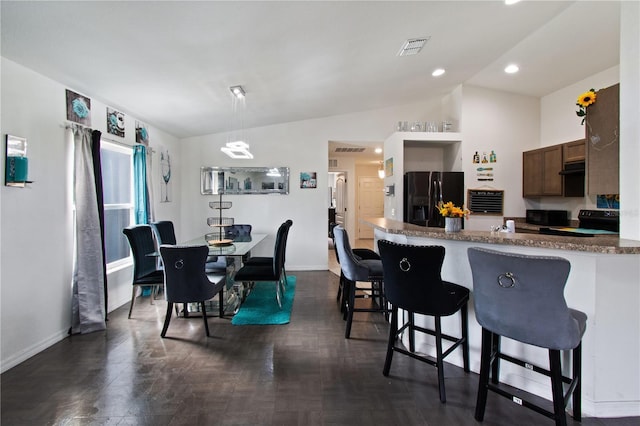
<point>584,100</point>
<point>450,210</point>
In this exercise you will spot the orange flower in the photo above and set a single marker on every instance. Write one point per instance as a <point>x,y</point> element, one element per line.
<point>450,210</point>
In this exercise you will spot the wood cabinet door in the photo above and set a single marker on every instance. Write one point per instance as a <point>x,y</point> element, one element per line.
<point>574,151</point>
<point>602,128</point>
<point>532,173</point>
<point>552,165</point>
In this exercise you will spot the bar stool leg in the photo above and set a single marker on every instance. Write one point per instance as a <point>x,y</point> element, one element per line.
<point>412,333</point>
<point>485,365</point>
<point>577,375</point>
<point>464,317</point>
<point>495,366</point>
<point>439,361</point>
<point>393,330</point>
<point>556,387</point>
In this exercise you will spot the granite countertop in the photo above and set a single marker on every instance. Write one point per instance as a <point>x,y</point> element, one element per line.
<point>596,244</point>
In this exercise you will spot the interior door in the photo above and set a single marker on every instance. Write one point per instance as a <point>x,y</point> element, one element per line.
<point>370,203</point>
<point>341,200</point>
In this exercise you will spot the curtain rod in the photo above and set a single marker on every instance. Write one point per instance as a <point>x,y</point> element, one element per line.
<point>72,125</point>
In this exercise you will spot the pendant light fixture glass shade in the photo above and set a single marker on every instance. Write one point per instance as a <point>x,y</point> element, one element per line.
<point>236,147</point>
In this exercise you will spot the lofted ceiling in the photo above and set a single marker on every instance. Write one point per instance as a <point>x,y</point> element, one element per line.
<point>171,64</point>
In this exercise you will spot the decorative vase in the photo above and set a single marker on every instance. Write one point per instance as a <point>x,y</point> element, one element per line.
<point>452,224</point>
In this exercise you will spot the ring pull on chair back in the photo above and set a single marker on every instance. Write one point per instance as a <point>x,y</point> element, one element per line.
<point>522,298</point>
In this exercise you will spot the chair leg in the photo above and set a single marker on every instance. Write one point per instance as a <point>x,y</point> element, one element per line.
<point>278,297</point>
<point>439,360</point>
<point>345,296</point>
<point>412,332</point>
<point>556,387</point>
<point>577,375</point>
<point>133,299</point>
<point>221,303</point>
<point>483,382</point>
<point>393,331</point>
<point>204,317</point>
<point>167,319</point>
<point>495,367</point>
<point>352,301</point>
<point>464,317</point>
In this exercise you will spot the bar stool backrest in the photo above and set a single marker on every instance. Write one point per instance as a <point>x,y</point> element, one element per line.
<point>351,267</point>
<point>522,297</point>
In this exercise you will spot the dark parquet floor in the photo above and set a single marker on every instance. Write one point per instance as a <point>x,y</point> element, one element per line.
<point>302,373</point>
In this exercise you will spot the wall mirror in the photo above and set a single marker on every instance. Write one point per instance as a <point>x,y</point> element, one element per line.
<point>244,180</point>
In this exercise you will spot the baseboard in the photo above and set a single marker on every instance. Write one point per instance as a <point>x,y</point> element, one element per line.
<point>32,350</point>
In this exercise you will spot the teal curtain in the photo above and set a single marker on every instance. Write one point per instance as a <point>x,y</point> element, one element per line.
<point>140,192</point>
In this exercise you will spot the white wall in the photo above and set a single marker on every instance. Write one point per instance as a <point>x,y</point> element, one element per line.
<point>36,222</point>
<point>303,147</point>
<point>508,124</point>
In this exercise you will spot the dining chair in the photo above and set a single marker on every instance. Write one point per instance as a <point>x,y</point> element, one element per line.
<point>270,272</point>
<point>186,280</point>
<point>363,271</point>
<point>145,266</point>
<point>413,283</point>
<point>521,297</point>
<point>261,260</point>
<point>164,232</point>
<point>235,232</point>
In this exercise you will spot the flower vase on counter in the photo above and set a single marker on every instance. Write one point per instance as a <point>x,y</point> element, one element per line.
<point>452,224</point>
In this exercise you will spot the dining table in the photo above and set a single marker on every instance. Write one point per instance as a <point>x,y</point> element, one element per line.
<point>238,248</point>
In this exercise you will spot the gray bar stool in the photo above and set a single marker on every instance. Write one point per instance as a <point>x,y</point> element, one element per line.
<point>521,297</point>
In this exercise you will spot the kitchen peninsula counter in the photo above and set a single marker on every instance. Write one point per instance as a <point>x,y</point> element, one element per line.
<point>596,244</point>
<point>603,283</point>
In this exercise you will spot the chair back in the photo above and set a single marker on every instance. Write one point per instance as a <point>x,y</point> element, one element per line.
<point>184,277</point>
<point>140,239</point>
<point>165,233</point>
<point>412,278</point>
<point>238,232</point>
<point>522,297</point>
<point>351,267</point>
<point>280,247</point>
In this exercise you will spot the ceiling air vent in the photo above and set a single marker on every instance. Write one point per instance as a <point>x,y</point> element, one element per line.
<point>333,163</point>
<point>413,46</point>
<point>349,149</point>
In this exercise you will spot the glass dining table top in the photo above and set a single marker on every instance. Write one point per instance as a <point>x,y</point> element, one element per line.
<point>238,247</point>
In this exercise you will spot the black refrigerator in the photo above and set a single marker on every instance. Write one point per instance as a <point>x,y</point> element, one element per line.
<point>423,191</point>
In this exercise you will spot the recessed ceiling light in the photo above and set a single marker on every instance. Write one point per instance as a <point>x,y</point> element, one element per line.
<point>510,2</point>
<point>437,72</point>
<point>378,150</point>
<point>511,69</point>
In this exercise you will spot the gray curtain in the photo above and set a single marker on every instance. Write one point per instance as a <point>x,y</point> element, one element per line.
<point>88,308</point>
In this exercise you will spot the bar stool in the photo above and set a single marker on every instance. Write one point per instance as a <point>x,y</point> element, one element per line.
<point>355,269</point>
<point>521,297</point>
<point>413,283</point>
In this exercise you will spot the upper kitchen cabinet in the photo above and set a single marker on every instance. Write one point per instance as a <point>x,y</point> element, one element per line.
<point>541,172</point>
<point>574,152</point>
<point>602,133</point>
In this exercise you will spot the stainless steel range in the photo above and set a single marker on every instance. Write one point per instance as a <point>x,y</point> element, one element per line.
<point>590,223</point>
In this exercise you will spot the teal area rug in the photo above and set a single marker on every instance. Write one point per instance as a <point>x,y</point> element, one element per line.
<point>261,307</point>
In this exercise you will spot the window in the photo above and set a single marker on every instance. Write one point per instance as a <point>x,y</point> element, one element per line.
<point>117,182</point>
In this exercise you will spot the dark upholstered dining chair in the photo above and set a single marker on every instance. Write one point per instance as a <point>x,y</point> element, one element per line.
<point>356,269</point>
<point>145,267</point>
<point>521,297</point>
<point>187,282</point>
<point>272,272</point>
<point>164,232</point>
<point>259,260</point>
<point>413,283</point>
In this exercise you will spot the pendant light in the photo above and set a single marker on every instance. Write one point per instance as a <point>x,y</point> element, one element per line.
<point>236,147</point>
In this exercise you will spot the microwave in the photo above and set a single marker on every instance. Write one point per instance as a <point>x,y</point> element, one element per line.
<point>548,217</point>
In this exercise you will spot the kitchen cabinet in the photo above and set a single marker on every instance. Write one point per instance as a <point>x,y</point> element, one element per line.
<point>602,132</point>
<point>574,152</point>
<point>541,172</point>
